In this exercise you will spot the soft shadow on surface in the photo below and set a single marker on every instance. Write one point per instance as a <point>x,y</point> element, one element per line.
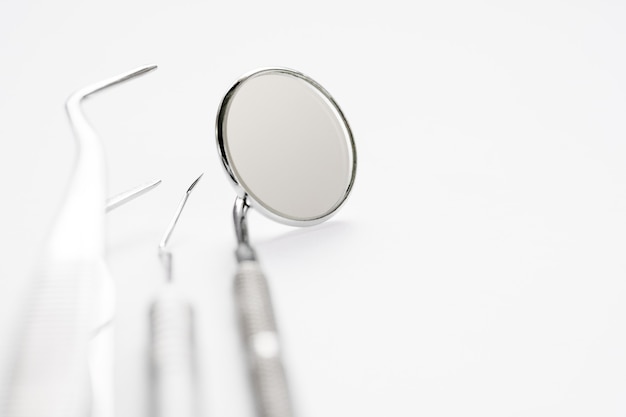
<point>315,236</point>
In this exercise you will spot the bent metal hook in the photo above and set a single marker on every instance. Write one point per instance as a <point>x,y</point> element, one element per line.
<point>53,372</point>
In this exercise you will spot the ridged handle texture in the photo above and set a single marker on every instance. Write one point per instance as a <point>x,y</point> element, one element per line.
<point>50,375</point>
<point>261,341</point>
<point>172,355</point>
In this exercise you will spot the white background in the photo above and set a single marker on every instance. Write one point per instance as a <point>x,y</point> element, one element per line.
<point>479,267</point>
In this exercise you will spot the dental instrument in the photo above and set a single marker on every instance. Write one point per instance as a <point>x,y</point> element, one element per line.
<point>61,347</point>
<point>289,152</point>
<point>174,384</point>
<point>122,198</point>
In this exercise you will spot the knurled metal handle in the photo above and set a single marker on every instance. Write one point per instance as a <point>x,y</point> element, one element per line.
<point>261,341</point>
<point>172,356</point>
<point>50,376</point>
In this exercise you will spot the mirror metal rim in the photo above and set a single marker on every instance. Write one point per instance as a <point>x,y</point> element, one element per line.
<point>241,191</point>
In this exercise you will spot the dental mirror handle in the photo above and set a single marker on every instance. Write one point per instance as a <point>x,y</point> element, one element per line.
<point>172,356</point>
<point>261,341</point>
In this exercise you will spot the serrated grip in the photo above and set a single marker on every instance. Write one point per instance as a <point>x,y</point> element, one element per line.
<point>172,356</point>
<point>261,341</point>
<point>49,375</point>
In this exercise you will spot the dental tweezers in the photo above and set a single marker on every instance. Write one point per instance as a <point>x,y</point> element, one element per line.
<point>73,300</point>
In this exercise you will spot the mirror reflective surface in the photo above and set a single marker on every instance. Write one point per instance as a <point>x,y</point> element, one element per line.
<point>286,144</point>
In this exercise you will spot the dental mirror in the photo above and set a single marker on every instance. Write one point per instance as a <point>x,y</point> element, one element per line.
<point>289,152</point>
<point>287,146</point>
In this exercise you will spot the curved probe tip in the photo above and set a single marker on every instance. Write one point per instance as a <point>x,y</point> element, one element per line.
<point>78,96</point>
<point>164,254</point>
<point>179,210</point>
<point>193,184</point>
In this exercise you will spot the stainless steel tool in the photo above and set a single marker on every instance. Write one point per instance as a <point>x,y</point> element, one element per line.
<point>127,196</point>
<point>174,383</point>
<point>289,152</point>
<point>63,340</point>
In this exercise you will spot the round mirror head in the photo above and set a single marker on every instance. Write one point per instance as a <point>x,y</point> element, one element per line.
<point>287,146</point>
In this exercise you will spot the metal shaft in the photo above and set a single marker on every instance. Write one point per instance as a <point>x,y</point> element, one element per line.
<point>258,326</point>
<point>174,383</point>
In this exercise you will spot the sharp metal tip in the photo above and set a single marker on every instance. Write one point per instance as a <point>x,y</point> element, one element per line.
<point>129,195</point>
<point>132,74</point>
<point>181,205</point>
<point>147,68</point>
<point>74,100</point>
<point>193,184</point>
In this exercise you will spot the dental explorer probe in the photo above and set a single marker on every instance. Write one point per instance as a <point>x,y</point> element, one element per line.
<point>174,388</point>
<point>58,355</point>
